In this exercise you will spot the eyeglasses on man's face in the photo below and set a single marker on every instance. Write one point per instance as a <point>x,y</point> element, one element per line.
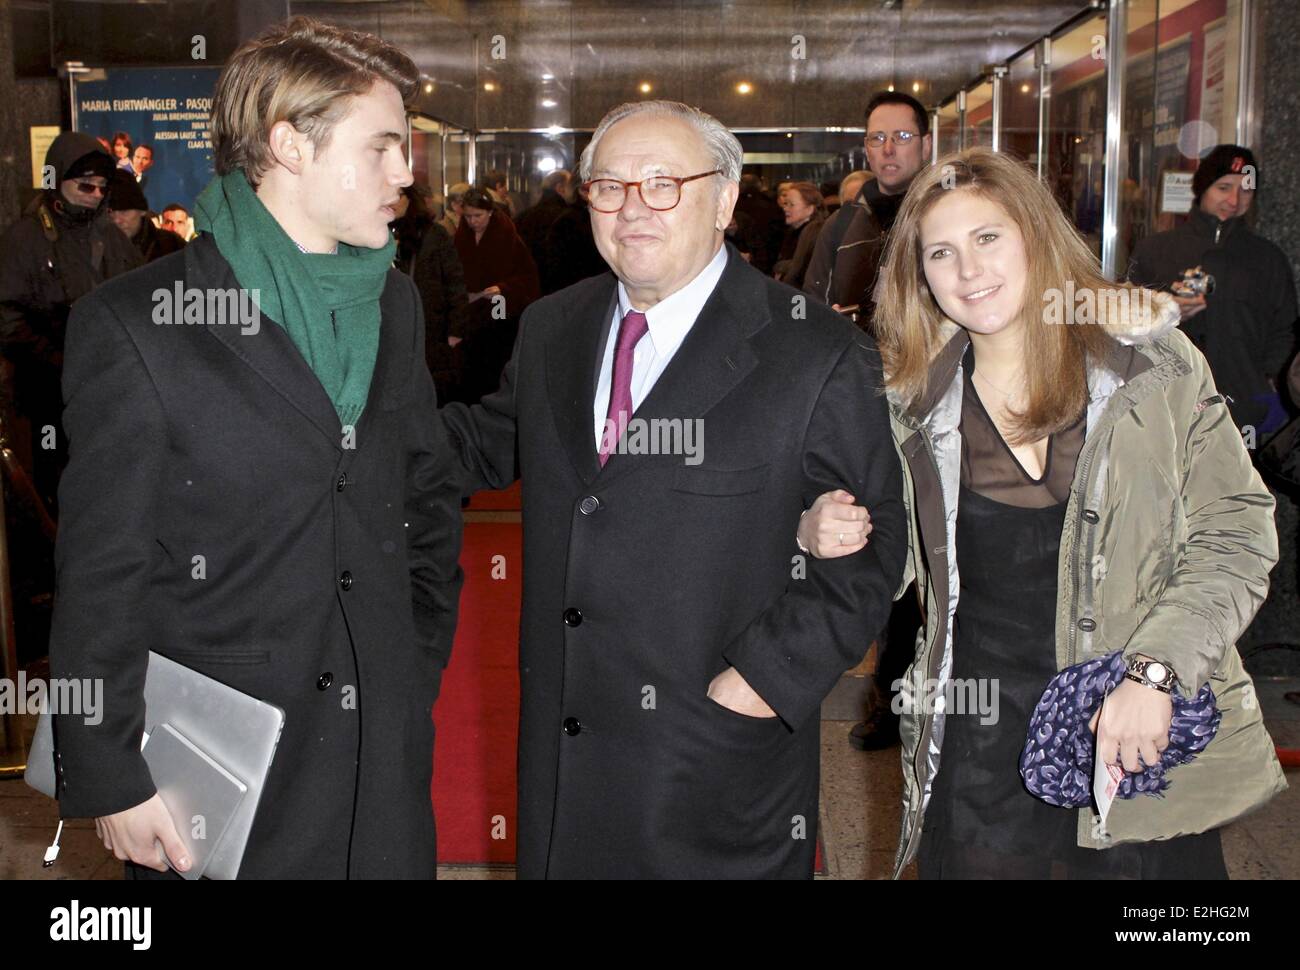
<point>658,192</point>
<point>877,139</point>
<point>85,188</point>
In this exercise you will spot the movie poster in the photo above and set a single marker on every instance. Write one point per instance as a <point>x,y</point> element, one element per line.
<point>165,108</point>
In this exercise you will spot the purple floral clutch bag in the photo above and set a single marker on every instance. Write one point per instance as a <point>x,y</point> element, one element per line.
<point>1057,762</point>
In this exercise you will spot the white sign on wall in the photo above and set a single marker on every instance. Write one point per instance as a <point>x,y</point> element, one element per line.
<point>1177,194</point>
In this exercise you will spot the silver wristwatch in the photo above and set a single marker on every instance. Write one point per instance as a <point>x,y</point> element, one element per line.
<point>1152,673</point>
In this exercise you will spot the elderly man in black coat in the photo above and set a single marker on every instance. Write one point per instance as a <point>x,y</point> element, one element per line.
<point>670,421</point>
<point>266,496</point>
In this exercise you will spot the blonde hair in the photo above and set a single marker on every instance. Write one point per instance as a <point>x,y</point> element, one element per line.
<point>908,319</point>
<point>303,72</point>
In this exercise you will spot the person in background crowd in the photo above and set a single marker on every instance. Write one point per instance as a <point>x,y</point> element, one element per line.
<point>534,224</point>
<point>454,206</point>
<point>412,222</point>
<point>843,272</point>
<point>764,223</point>
<point>496,185</point>
<point>830,196</point>
<point>63,247</point>
<point>738,234</point>
<point>848,254</point>
<point>176,218</point>
<point>130,213</point>
<point>1246,327</point>
<point>142,161</point>
<point>500,280</point>
<point>122,149</point>
<point>572,246</point>
<point>805,214</point>
<point>297,454</point>
<point>440,278</point>
<point>851,186</point>
<point>1006,418</point>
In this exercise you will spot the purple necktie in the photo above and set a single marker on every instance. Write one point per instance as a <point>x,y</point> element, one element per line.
<point>630,331</point>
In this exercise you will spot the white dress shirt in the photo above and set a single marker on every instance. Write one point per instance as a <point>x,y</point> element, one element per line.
<point>668,322</point>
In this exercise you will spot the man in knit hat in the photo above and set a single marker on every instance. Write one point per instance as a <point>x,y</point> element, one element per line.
<point>1246,326</point>
<point>62,247</point>
<point>130,213</point>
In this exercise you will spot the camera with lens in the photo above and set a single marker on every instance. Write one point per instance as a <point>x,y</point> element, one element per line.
<point>1195,282</point>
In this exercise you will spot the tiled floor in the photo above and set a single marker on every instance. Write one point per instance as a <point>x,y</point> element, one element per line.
<point>859,817</point>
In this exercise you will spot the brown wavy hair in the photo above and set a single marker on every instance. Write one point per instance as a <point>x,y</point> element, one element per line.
<point>908,318</point>
<point>303,72</point>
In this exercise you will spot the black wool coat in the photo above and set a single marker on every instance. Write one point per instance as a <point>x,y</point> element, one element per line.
<point>645,579</point>
<point>1248,330</point>
<point>329,578</point>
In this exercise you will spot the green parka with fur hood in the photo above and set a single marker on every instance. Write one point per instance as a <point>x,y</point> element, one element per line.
<point>1166,549</point>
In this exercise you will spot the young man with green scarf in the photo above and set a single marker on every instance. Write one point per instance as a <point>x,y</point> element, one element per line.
<point>272,506</point>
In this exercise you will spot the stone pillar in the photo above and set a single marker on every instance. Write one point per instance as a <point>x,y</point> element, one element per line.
<point>1279,142</point>
<point>1278,219</point>
<point>15,151</point>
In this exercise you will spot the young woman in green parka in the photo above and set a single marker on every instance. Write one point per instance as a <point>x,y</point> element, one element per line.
<point>1075,486</point>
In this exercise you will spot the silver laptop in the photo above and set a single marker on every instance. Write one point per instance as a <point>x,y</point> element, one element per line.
<point>211,732</point>
<point>201,796</point>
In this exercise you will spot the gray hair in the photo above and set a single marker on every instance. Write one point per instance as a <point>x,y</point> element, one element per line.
<point>721,144</point>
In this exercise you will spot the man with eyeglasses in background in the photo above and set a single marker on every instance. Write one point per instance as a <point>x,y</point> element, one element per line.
<point>843,273</point>
<point>62,247</point>
<point>849,251</point>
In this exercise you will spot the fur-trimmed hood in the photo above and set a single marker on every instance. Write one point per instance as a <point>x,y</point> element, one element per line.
<point>1137,323</point>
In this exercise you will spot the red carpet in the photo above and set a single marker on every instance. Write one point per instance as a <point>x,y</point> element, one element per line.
<point>477,714</point>
<point>508,499</point>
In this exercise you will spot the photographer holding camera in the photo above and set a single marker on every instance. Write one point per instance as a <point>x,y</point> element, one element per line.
<point>1235,288</point>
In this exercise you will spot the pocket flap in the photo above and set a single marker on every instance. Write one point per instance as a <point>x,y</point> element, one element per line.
<point>718,481</point>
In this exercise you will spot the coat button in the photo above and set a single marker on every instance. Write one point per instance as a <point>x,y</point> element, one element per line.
<point>343,480</point>
<point>1091,517</point>
<point>345,580</point>
<point>588,505</point>
<point>324,680</point>
<point>572,726</point>
<point>1087,624</point>
<point>573,617</point>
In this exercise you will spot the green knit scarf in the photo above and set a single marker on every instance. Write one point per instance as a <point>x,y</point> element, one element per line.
<point>328,303</point>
